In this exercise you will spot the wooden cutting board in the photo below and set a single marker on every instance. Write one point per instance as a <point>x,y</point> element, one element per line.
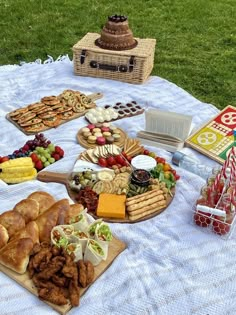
<point>63,178</point>
<point>84,143</point>
<point>93,97</point>
<point>115,248</point>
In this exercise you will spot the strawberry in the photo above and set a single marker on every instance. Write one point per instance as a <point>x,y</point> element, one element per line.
<point>34,157</point>
<point>56,156</point>
<point>59,151</point>
<point>39,165</point>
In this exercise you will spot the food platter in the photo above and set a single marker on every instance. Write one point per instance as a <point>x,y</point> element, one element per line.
<point>57,114</point>
<point>83,142</point>
<point>116,247</point>
<point>63,178</point>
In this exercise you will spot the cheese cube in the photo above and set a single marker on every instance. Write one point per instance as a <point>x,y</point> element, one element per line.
<point>111,206</point>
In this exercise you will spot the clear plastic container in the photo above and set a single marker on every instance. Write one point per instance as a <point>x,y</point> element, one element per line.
<point>192,165</point>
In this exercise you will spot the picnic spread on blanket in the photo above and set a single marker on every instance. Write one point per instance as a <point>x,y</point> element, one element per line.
<point>96,214</point>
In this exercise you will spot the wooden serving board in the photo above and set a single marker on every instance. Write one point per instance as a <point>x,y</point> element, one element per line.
<point>115,248</point>
<point>93,97</point>
<point>83,142</point>
<point>63,178</point>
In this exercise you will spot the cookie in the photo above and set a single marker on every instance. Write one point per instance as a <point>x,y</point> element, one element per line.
<point>26,117</point>
<point>18,111</point>
<point>31,122</point>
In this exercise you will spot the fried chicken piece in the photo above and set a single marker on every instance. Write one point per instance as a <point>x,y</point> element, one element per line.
<point>37,247</point>
<point>30,268</point>
<point>53,295</point>
<point>69,269</point>
<point>85,272</point>
<point>90,272</point>
<point>53,267</point>
<point>43,255</point>
<point>60,281</point>
<point>56,251</point>
<point>74,292</point>
<point>82,276</point>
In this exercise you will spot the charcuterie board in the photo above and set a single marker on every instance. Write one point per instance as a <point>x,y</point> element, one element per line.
<point>54,112</point>
<point>115,248</point>
<point>63,178</point>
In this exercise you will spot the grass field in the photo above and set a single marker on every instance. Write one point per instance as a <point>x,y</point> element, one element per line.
<point>196,39</point>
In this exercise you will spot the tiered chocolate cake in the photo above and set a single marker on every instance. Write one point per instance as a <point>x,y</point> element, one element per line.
<point>116,34</point>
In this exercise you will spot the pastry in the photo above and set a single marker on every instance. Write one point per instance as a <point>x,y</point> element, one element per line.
<point>13,221</point>
<point>18,111</point>
<point>4,237</point>
<point>44,199</point>
<point>20,249</point>
<point>26,117</point>
<point>31,230</point>
<point>30,122</point>
<point>28,208</point>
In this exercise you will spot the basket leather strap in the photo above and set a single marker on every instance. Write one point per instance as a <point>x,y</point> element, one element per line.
<point>82,56</point>
<point>115,68</point>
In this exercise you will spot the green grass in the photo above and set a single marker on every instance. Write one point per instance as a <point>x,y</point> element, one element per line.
<point>196,39</point>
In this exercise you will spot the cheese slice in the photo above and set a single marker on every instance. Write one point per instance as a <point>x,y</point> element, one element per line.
<point>111,206</point>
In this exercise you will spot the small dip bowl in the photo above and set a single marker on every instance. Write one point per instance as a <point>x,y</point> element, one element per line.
<point>140,177</point>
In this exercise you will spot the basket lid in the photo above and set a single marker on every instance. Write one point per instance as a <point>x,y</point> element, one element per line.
<point>143,49</point>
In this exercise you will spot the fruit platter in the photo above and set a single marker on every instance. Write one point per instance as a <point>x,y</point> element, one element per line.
<point>52,111</point>
<point>24,163</point>
<point>107,184</point>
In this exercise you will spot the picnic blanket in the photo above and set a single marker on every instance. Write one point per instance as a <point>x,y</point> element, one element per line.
<point>169,266</point>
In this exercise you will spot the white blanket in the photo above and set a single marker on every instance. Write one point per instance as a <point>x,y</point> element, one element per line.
<point>170,266</point>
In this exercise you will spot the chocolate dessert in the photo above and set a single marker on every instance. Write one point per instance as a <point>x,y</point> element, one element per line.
<point>116,34</point>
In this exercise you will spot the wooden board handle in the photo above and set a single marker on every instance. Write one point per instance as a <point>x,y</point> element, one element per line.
<point>95,96</point>
<point>47,177</point>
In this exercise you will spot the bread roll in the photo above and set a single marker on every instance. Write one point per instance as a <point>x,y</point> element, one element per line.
<point>4,237</point>
<point>44,199</point>
<point>13,221</point>
<point>28,208</point>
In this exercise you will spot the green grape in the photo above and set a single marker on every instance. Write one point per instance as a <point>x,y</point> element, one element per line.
<point>47,163</point>
<point>47,155</point>
<point>51,147</point>
<point>51,160</point>
<point>40,149</point>
<point>37,149</point>
<point>43,159</point>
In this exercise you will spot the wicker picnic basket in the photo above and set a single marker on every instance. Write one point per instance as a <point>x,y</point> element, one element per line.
<point>133,66</point>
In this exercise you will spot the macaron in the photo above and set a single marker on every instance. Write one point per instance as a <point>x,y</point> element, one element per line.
<point>110,139</point>
<point>96,130</point>
<point>85,129</point>
<point>116,131</point>
<point>105,129</point>
<point>87,134</point>
<point>101,140</point>
<point>116,137</point>
<point>98,125</point>
<point>91,139</point>
<point>98,134</point>
<point>106,134</point>
<point>106,125</point>
<point>91,126</point>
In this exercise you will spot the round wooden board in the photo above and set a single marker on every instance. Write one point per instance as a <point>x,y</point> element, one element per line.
<point>63,178</point>
<point>83,142</point>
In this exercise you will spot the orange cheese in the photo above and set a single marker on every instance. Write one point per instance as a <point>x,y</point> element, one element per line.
<point>111,206</point>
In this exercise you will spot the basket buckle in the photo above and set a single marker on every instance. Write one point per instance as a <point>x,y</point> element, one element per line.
<point>82,56</point>
<point>131,63</point>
